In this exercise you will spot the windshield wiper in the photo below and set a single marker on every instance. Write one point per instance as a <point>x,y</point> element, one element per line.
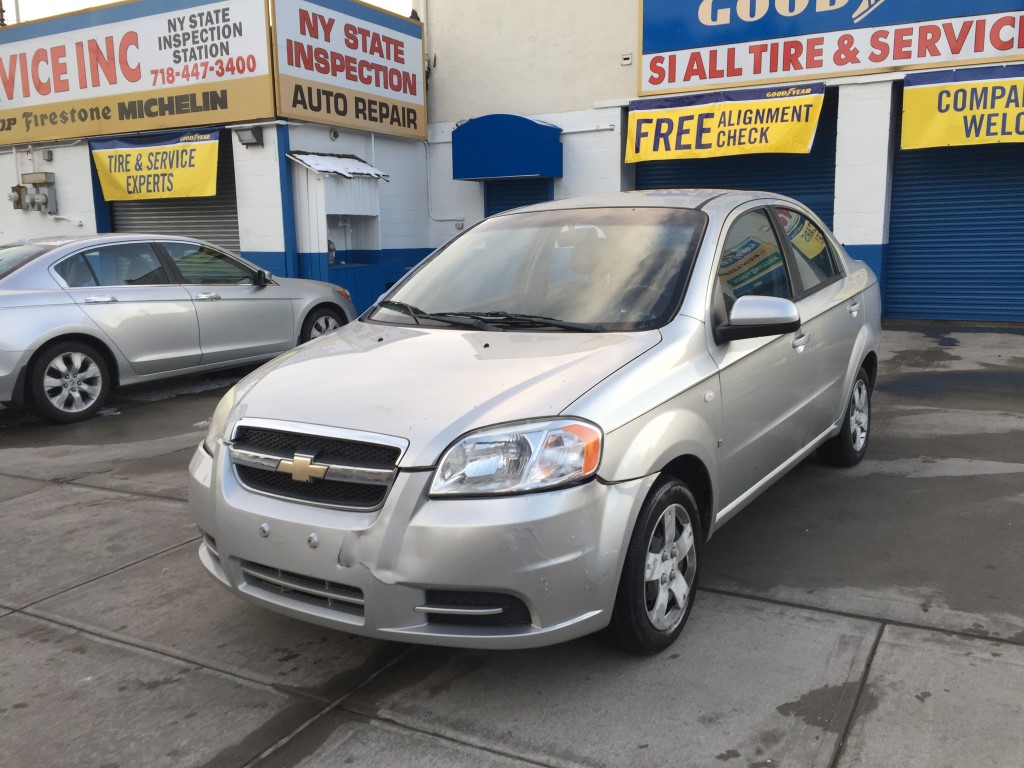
<point>534,321</point>
<point>459,319</point>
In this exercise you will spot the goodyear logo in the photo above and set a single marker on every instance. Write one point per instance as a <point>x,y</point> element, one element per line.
<point>712,13</point>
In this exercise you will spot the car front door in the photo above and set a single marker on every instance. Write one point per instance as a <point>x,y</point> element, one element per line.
<point>126,291</point>
<point>765,390</point>
<point>831,312</point>
<point>238,319</point>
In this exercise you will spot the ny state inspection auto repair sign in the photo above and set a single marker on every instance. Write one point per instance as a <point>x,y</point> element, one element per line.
<point>135,67</point>
<point>704,44</point>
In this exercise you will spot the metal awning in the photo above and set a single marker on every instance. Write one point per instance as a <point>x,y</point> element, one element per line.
<point>504,147</point>
<point>348,166</point>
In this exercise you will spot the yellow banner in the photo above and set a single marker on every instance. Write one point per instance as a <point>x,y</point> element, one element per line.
<point>964,112</point>
<point>175,165</point>
<point>738,123</point>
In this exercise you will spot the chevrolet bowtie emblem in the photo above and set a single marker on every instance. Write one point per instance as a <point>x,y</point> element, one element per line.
<point>302,469</point>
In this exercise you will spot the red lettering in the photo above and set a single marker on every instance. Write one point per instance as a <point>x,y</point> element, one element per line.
<point>102,60</point>
<point>903,40</point>
<point>956,42</point>
<point>42,86</point>
<point>657,76</point>
<point>131,74</point>
<point>695,68</point>
<point>8,74</point>
<point>998,41</point>
<point>979,36</point>
<point>791,51</point>
<point>879,46</point>
<point>59,69</point>
<point>926,44</point>
<point>815,52</point>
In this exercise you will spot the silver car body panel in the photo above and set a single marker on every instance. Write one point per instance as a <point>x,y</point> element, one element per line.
<point>746,411</point>
<point>168,337</point>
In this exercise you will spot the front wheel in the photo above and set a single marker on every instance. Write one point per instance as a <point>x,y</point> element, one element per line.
<point>848,447</point>
<point>69,382</point>
<point>320,321</point>
<point>659,578</point>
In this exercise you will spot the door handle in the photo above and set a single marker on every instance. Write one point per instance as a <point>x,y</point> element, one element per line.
<point>800,340</point>
<point>853,307</point>
<point>208,296</point>
<point>100,299</point>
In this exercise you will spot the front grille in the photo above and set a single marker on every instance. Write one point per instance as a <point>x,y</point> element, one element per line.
<point>318,592</point>
<point>317,491</point>
<point>326,449</point>
<point>359,473</point>
<point>514,612</point>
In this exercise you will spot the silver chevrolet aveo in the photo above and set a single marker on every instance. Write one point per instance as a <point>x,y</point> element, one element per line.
<point>532,436</point>
<point>82,315</point>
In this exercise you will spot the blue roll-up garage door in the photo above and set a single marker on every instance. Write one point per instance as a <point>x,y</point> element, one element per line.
<point>811,178</point>
<point>505,194</point>
<point>956,234</point>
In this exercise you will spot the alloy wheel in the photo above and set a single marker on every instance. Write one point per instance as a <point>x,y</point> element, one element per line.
<point>670,568</point>
<point>72,382</point>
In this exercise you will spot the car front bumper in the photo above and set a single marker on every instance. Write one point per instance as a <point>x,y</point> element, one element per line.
<point>420,569</point>
<point>11,365</point>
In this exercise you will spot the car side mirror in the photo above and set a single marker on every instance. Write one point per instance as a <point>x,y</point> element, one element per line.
<point>755,316</point>
<point>263,277</point>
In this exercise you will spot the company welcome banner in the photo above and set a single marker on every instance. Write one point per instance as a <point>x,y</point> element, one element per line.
<point>155,167</point>
<point>965,107</point>
<point>773,120</point>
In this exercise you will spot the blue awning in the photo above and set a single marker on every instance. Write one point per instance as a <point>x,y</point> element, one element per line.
<point>506,146</point>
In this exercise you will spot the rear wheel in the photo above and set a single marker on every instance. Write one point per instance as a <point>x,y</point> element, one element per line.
<point>320,321</point>
<point>69,382</point>
<point>659,578</point>
<point>848,447</point>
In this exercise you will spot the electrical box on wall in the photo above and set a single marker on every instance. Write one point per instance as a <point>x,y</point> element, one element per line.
<point>17,197</point>
<point>40,192</point>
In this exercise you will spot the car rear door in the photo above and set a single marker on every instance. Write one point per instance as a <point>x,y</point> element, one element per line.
<point>126,291</point>
<point>831,313</point>
<point>238,319</point>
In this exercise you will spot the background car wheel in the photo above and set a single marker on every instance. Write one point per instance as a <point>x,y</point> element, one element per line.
<point>848,447</point>
<point>320,321</point>
<point>659,578</point>
<point>69,382</point>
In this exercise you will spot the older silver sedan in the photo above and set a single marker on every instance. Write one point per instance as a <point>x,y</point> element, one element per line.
<point>532,436</point>
<point>79,316</point>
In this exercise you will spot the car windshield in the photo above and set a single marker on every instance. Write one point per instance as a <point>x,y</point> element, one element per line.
<point>14,255</point>
<point>587,269</point>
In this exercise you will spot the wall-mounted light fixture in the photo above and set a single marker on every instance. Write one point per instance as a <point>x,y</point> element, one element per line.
<point>250,137</point>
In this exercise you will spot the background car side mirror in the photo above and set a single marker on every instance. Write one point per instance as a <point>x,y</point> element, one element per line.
<point>755,316</point>
<point>262,278</point>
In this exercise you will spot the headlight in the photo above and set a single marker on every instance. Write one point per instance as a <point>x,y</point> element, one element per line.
<point>218,422</point>
<point>518,458</point>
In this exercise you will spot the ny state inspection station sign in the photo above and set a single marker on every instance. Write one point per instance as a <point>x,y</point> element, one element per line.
<point>691,45</point>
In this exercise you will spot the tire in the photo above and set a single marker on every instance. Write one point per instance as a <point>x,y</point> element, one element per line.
<point>848,447</point>
<point>659,577</point>
<point>320,321</point>
<point>69,381</point>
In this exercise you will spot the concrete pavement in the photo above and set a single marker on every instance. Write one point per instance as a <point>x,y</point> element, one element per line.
<point>859,618</point>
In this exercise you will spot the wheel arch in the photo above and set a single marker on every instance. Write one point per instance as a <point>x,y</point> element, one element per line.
<point>82,338</point>
<point>328,305</point>
<point>692,472</point>
<point>870,366</point>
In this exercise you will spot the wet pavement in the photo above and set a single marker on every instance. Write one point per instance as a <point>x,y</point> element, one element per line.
<point>847,618</point>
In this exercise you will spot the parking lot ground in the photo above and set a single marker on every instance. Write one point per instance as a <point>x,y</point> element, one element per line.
<point>848,618</point>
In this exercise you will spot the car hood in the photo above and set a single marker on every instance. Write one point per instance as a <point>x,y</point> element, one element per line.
<point>431,385</point>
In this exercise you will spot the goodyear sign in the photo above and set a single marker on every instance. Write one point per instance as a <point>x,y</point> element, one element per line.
<point>702,44</point>
<point>171,165</point>
<point>137,66</point>
<point>971,106</point>
<point>774,120</point>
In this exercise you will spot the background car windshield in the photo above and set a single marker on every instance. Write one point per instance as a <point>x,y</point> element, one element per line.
<point>15,255</point>
<point>617,268</point>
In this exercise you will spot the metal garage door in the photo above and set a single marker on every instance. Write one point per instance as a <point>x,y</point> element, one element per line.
<point>956,234</point>
<point>505,194</point>
<point>214,219</point>
<point>811,179</point>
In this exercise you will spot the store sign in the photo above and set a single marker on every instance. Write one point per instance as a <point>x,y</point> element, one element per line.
<point>731,123</point>
<point>701,44</point>
<point>964,107</point>
<point>157,167</point>
<point>343,63</point>
<point>134,67</point>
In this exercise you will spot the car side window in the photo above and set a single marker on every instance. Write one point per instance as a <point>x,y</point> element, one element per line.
<point>752,262</point>
<point>814,261</point>
<point>111,265</point>
<point>202,265</point>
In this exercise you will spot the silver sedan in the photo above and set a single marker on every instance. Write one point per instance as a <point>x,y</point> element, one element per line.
<point>532,436</point>
<point>80,316</point>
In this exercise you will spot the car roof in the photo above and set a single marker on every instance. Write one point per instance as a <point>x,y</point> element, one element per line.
<point>694,199</point>
<point>56,241</point>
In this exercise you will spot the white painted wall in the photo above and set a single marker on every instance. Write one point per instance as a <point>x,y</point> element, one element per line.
<point>258,191</point>
<point>70,166</point>
<point>864,163</point>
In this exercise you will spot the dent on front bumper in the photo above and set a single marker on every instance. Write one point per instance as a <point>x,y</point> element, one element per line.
<point>383,574</point>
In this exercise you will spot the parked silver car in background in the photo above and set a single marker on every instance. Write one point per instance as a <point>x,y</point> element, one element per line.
<point>531,436</point>
<point>79,316</point>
